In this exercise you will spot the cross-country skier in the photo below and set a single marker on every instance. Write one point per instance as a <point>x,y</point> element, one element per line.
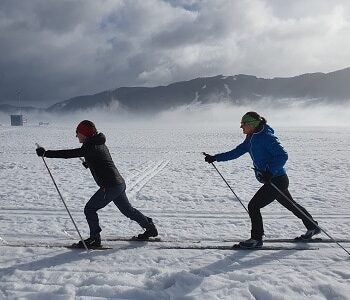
<point>269,158</point>
<point>111,183</point>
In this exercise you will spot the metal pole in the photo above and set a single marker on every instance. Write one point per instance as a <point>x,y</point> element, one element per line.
<point>228,184</point>
<point>64,203</point>
<point>305,215</point>
<point>19,102</point>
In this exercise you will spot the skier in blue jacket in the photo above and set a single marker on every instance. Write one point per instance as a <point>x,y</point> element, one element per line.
<point>269,158</point>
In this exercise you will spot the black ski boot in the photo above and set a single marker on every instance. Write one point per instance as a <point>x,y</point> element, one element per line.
<point>151,231</point>
<point>308,234</point>
<point>251,244</point>
<point>91,243</point>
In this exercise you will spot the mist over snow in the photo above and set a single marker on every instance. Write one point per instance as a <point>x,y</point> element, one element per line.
<point>224,114</point>
<point>296,114</point>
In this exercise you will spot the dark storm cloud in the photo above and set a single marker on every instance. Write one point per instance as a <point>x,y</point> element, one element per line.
<point>52,50</point>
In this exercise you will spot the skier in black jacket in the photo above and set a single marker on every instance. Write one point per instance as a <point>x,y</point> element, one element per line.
<point>111,183</point>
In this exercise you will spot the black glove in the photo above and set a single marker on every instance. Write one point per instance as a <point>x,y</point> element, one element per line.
<point>85,164</point>
<point>209,158</point>
<point>40,151</point>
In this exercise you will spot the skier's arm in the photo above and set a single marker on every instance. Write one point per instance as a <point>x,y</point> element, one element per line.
<point>233,154</point>
<point>69,153</point>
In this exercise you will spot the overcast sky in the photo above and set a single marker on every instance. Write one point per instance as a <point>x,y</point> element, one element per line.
<point>52,50</point>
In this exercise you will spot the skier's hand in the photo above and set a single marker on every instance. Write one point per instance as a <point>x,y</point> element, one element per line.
<point>40,151</point>
<point>209,158</point>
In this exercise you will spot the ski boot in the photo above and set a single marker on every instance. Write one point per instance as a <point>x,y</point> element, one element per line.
<point>151,231</point>
<point>91,243</point>
<point>308,234</point>
<point>251,244</point>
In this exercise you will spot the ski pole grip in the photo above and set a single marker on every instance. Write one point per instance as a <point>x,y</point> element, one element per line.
<point>37,147</point>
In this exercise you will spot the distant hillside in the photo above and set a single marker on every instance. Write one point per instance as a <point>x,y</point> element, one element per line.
<point>331,87</point>
<point>334,86</point>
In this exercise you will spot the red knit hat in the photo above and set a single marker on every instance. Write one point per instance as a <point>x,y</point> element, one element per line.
<point>86,128</point>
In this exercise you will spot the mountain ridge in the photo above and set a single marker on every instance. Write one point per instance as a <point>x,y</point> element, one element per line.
<point>237,89</point>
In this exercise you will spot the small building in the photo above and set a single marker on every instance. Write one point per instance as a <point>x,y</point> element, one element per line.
<point>16,120</point>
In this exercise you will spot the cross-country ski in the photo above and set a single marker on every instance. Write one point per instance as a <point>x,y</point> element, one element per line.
<point>269,240</point>
<point>167,246</point>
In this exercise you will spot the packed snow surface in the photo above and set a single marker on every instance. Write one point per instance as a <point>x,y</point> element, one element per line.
<point>190,204</point>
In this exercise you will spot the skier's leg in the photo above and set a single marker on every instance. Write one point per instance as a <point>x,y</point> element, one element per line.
<point>122,202</point>
<point>264,196</point>
<point>96,202</point>
<point>282,183</point>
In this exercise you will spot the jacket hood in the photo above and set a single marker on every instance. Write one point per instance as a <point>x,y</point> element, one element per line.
<point>98,139</point>
<point>266,129</point>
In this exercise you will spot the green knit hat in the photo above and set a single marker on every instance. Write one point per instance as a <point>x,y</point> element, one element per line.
<point>248,119</point>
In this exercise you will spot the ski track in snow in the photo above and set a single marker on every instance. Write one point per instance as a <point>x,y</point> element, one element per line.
<point>138,180</point>
<point>170,217</point>
<point>187,200</point>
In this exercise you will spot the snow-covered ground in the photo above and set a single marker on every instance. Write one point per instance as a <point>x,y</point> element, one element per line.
<point>168,181</point>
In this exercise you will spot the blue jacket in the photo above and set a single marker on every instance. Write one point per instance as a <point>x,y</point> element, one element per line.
<point>265,150</point>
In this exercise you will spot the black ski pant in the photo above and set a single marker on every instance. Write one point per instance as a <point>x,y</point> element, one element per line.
<point>267,194</point>
<point>103,197</point>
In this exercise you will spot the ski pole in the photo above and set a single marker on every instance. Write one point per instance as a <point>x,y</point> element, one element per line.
<point>64,203</point>
<point>227,184</point>
<point>305,215</point>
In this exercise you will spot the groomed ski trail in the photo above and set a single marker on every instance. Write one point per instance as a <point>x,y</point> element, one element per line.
<point>138,180</point>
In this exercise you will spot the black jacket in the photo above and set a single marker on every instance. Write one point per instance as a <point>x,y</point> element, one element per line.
<point>97,157</point>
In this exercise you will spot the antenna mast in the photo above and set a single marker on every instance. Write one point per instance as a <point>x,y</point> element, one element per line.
<point>19,102</point>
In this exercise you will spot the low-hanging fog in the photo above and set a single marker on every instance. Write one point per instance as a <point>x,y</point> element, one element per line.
<point>197,115</point>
